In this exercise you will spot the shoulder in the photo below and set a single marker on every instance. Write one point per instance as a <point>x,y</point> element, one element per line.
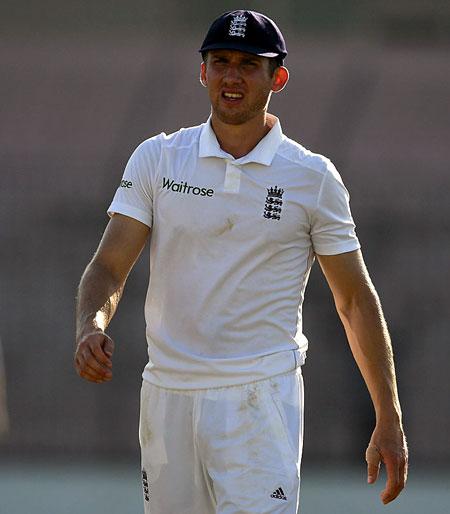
<point>182,138</point>
<point>306,160</point>
<point>301,156</point>
<point>148,155</point>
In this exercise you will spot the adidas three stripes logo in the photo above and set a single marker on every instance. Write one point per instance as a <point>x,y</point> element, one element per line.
<point>278,494</point>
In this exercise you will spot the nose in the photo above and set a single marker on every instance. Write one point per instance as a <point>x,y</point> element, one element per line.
<point>232,74</point>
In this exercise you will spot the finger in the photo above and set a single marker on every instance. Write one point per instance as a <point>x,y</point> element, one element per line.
<point>99,352</point>
<point>88,373</point>
<point>92,348</point>
<point>84,361</point>
<point>393,484</point>
<point>97,344</point>
<point>108,346</point>
<point>99,376</point>
<point>373,459</point>
<point>403,472</point>
<point>91,360</point>
<point>84,370</point>
<point>89,376</point>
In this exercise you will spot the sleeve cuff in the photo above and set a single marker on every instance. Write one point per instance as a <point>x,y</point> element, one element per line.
<point>131,211</point>
<point>337,248</point>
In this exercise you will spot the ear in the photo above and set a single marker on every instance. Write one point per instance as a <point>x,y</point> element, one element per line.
<point>280,79</point>
<point>203,81</point>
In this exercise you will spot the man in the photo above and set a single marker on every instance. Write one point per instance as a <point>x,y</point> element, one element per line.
<point>237,213</point>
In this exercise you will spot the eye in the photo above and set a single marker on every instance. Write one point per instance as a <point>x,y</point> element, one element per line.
<point>219,60</point>
<point>250,64</point>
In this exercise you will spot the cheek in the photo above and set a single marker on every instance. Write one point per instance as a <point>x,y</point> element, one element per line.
<point>213,84</point>
<point>260,89</point>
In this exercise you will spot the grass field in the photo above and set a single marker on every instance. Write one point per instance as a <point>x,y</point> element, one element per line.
<point>112,488</point>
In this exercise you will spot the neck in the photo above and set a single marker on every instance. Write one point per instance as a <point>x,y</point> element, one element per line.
<point>239,140</point>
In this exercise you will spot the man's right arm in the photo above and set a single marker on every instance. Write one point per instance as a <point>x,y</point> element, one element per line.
<point>99,293</point>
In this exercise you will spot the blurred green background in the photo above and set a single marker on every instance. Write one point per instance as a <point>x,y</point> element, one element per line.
<point>82,84</point>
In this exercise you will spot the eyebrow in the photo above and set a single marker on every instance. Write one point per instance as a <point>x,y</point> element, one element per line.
<point>245,60</point>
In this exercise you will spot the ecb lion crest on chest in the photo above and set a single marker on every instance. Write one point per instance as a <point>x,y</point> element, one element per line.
<point>274,203</point>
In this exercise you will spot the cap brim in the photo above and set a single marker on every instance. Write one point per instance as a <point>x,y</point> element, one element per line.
<point>242,48</point>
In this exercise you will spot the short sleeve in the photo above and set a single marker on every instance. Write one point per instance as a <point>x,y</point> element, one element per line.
<point>332,226</point>
<point>134,196</point>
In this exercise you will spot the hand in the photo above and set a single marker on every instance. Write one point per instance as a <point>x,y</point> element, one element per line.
<point>93,357</point>
<point>388,445</point>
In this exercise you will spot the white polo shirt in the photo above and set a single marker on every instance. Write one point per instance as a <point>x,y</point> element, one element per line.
<point>232,245</point>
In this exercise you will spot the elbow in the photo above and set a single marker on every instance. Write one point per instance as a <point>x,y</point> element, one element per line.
<point>99,272</point>
<point>346,308</point>
<point>363,301</point>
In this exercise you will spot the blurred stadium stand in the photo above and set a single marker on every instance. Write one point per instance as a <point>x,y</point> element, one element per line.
<point>4,417</point>
<point>418,21</point>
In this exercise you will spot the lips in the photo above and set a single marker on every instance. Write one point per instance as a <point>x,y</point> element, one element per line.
<point>232,96</point>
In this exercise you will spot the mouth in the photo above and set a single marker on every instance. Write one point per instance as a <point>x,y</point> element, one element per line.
<point>232,97</point>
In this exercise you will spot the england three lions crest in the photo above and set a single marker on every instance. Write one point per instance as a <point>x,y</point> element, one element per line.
<point>238,25</point>
<point>274,203</point>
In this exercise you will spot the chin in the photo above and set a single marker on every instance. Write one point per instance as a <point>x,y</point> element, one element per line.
<point>237,118</point>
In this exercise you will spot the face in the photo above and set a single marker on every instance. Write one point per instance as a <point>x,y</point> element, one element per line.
<point>240,84</point>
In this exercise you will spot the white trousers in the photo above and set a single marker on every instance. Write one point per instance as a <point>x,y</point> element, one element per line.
<point>229,450</point>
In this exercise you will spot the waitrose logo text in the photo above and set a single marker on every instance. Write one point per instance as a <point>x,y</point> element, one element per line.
<point>184,187</point>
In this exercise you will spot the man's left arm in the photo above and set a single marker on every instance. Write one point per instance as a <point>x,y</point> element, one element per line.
<point>360,311</point>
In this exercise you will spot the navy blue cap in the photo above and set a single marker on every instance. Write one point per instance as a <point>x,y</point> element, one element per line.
<point>247,31</point>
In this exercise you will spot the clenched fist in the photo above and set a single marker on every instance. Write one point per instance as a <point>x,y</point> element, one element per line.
<point>93,357</point>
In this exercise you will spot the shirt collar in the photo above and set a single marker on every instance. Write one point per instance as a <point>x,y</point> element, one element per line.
<point>263,153</point>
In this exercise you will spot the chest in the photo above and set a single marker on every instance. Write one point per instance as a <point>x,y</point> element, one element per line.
<point>218,200</point>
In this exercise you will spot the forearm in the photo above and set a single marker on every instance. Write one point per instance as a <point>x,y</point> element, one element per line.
<point>360,311</point>
<point>370,343</point>
<point>98,295</point>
